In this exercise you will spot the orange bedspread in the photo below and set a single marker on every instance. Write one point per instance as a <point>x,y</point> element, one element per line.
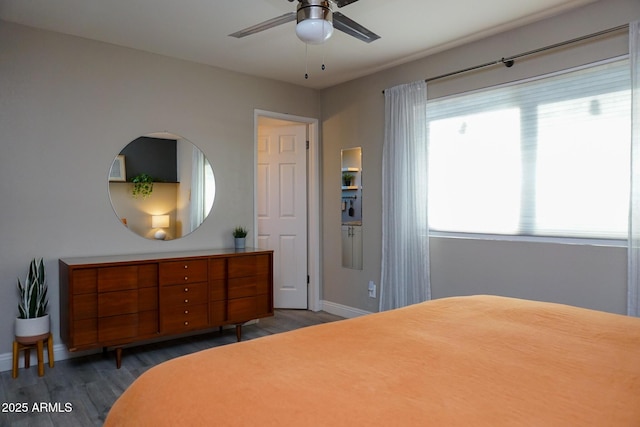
<point>464,361</point>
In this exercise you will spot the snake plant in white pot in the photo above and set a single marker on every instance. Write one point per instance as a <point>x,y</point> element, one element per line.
<point>33,319</point>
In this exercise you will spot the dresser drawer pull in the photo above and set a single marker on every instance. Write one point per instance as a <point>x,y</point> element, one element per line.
<point>186,278</point>
<point>186,312</point>
<point>186,289</point>
<point>186,266</point>
<point>186,300</point>
<point>186,323</point>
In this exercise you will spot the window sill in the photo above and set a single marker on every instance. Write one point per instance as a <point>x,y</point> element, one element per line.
<point>619,243</point>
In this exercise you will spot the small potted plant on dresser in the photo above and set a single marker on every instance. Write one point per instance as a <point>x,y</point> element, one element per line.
<point>33,319</point>
<point>240,234</point>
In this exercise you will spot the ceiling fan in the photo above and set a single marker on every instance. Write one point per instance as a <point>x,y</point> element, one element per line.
<point>315,22</point>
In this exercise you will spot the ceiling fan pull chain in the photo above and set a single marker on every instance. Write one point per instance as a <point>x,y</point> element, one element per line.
<point>306,61</point>
<point>324,48</point>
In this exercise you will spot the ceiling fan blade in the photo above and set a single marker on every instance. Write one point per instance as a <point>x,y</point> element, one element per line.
<point>274,22</point>
<point>351,27</point>
<point>343,3</point>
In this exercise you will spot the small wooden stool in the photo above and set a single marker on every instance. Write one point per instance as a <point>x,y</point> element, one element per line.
<point>26,344</point>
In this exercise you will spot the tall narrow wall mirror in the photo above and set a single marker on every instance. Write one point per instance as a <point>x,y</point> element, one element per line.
<point>161,186</point>
<point>351,206</point>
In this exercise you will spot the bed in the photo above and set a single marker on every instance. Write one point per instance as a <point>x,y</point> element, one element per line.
<point>461,361</point>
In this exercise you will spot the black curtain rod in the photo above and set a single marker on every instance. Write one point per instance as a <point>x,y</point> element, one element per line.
<point>508,62</point>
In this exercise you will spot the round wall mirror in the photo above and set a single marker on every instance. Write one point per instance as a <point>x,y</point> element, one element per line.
<point>161,186</point>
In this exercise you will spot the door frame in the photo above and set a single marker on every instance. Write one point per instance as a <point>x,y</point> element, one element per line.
<point>313,197</point>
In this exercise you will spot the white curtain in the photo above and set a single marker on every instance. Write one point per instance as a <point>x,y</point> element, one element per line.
<point>633,289</point>
<point>197,189</point>
<point>405,242</point>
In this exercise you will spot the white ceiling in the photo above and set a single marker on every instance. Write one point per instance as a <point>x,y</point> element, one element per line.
<point>197,30</point>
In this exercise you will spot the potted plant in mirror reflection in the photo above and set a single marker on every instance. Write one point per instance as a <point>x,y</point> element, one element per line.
<point>33,319</point>
<point>142,186</point>
<point>240,234</point>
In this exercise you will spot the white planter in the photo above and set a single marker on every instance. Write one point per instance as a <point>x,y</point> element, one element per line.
<point>32,327</point>
<point>240,242</point>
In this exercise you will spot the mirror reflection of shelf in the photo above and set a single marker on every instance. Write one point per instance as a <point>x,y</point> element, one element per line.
<point>354,178</point>
<point>351,206</point>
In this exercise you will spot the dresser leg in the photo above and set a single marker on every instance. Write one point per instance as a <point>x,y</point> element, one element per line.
<point>118,357</point>
<point>239,332</point>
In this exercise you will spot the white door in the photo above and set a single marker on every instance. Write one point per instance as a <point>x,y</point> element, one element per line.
<point>282,209</point>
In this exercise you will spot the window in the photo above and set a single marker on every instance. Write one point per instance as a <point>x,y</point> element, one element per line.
<point>547,157</point>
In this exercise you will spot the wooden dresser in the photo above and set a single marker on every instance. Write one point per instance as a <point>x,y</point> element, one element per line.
<point>112,301</point>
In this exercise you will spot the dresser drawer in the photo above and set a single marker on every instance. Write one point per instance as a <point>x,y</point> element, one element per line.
<point>188,271</point>
<point>85,306</point>
<point>242,309</point>
<point>182,295</point>
<point>217,290</point>
<point>148,323</point>
<point>116,303</point>
<point>117,278</point>
<point>263,266</point>
<point>148,275</point>
<point>116,329</point>
<point>85,332</point>
<point>84,281</point>
<point>217,269</point>
<point>180,319</point>
<point>242,287</point>
<point>217,313</point>
<point>242,266</point>
<point>147,299</point>
<point>264,306</point>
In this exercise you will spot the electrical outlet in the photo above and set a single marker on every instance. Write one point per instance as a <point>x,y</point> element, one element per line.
<point>372,289</point>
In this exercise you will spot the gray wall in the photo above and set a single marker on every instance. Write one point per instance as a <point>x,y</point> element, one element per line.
<point>353,115</point>
<point>69,105</point>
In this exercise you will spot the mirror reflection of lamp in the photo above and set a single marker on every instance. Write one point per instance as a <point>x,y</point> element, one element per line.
<point>160,222</point>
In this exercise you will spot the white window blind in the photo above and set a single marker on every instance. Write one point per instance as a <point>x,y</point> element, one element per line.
<point>546,157</point>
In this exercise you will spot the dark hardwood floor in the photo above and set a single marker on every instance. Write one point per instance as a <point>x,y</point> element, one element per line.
<point>80,391</point>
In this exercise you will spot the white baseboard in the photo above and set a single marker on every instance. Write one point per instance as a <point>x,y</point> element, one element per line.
<point>342,310</point>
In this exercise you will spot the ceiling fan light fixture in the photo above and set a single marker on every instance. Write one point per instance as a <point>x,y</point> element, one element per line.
<point>315,21</point>
<point>314,31</point>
